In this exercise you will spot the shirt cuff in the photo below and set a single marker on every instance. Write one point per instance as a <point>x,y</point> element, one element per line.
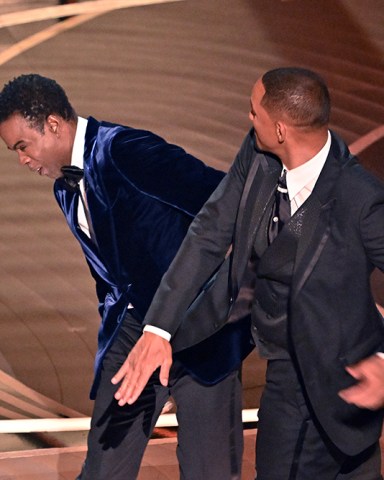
<point>158,331</point>
<point>380,354</point>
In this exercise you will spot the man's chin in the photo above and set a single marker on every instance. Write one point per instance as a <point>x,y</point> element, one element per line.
<point>52,176</point>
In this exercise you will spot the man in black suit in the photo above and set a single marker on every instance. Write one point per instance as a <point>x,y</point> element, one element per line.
<point>305,223</point>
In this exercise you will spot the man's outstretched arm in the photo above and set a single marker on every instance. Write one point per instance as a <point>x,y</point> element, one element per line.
<point>201,253</point>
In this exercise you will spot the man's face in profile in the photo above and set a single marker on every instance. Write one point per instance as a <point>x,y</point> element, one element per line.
<point>42,151</point>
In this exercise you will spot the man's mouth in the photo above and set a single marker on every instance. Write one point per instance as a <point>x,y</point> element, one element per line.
<point>37,170</point>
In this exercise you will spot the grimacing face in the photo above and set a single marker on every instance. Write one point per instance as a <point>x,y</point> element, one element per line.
<point>42,152</point>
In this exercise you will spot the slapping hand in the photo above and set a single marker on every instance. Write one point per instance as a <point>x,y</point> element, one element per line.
<point>150,352</point>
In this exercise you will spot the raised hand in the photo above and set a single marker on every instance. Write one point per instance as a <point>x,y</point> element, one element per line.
<point>368,392</point>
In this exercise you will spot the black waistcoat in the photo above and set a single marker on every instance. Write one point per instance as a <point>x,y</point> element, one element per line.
<point>267,282</point>
<point>274,266</point>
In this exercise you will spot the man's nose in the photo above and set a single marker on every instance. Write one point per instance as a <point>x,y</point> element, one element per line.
<point>23,158</point>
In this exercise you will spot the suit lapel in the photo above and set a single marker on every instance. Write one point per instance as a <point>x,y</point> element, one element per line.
<point>315,217</point>
<point>280,253</point>
<point>255,204</point>
<point>69,201</point>
<point>100,211</point>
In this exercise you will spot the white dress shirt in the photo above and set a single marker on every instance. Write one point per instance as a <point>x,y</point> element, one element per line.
<point>77,160</point>
<point>301,180</point>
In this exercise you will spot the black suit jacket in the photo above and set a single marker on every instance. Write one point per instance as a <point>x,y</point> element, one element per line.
<point>332,318</point>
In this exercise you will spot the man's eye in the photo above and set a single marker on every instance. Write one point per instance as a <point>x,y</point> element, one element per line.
<point>22,148</point>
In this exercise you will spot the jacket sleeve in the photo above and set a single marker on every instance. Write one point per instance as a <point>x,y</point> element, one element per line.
<point>372,229</point>
<point>163,170</point>
<point>203,249</point>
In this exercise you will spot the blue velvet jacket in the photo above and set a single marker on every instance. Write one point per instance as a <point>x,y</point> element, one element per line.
<point>142,194</point>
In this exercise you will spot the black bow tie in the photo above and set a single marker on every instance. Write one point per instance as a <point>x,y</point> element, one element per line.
<point>72,175</point>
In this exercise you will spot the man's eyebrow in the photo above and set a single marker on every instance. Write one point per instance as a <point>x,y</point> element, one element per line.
<point>16,145</point>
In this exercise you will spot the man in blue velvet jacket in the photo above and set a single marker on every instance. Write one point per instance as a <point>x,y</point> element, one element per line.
<point>128,197</point>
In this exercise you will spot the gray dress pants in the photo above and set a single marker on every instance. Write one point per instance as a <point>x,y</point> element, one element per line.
<point>290,444</point>
<point>210,437</point>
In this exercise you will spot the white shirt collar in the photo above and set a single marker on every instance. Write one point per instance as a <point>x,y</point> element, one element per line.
<point>77,158</point>
<point>307,174</point>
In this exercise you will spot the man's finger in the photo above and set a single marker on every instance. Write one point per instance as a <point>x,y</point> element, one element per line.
<point>119,375</point>
<point>130,389</point>
<point>359,397</point>
<point>134,390</point>
<point>351,394</point>
<point>355,371</point>
<point>164,373</point>
<point>132,376</point>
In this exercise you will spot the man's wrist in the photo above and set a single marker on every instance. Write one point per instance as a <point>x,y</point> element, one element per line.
<point>158,331</point>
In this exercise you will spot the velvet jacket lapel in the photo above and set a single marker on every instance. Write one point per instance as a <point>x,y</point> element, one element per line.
<point>69,201</point>
<point>100,212</point>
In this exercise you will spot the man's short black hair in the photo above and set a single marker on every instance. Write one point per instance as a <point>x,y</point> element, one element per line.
<point>35,98</point>
<point>299,93</point>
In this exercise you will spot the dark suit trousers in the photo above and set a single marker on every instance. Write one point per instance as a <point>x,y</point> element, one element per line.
<point>210,437</point>
<point>291,446</point>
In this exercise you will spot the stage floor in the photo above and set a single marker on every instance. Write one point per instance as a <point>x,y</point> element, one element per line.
<point>159,462</point>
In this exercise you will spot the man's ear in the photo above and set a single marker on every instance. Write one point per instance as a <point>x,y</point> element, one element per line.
<point>54,124</point>
<point>280,131</point>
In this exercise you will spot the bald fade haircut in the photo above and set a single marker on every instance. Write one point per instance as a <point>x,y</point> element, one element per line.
<point>299,94</point>
<point>35,98</point>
